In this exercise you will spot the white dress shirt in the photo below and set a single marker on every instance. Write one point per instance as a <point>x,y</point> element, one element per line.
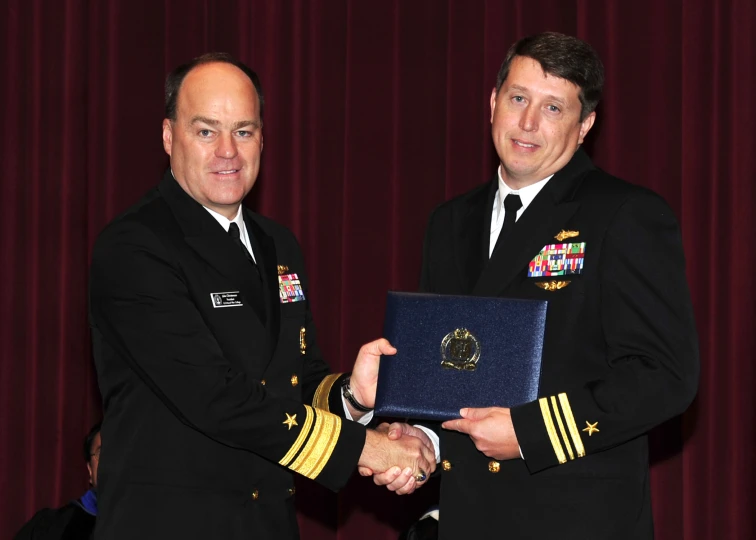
<point>239,220</point>
<point>527,194</point>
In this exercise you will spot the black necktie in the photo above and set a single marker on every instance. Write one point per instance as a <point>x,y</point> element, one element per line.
<point>512,204</point>
<point>235,234</point>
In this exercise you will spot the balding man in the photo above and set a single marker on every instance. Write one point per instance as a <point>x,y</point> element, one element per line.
<point>215,391</point>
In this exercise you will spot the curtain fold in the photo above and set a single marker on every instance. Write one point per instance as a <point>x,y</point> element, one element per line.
<point>375,113</point>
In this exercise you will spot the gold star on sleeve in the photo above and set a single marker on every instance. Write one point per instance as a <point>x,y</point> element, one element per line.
<point>315,443</point>
<point>591,429</point>
<point>291,420</point>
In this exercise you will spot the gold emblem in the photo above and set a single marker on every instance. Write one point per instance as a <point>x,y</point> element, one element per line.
<point>564,235</point>
<point>294,380</point>
<point>591,429</point>
<point>494,466</point>
<point>302,340</point>
<point>446,465</point>
<point>460,350</point>
<point>255,495</point>
<point>291,420</point>
<point>552,285</point>
<point>282,269</point>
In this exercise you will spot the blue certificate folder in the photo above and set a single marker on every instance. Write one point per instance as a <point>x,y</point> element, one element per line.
<point>432,376</point>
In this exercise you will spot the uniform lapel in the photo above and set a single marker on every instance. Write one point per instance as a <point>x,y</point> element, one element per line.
<point>208,239</point>
<point>542,219</point>
<point>474,231</point>
<point>267,261</point>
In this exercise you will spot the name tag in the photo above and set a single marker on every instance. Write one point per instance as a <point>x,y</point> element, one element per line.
<point>226,299</point>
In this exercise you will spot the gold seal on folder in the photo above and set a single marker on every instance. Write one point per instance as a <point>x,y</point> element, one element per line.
<point>460,349</point>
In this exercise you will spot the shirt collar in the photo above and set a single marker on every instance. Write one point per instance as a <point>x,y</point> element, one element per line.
<point>225,222</point>
<point>527,194</point>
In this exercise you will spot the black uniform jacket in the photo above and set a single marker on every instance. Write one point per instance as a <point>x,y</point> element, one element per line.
<point>214,389</point>
<point>620,356</point>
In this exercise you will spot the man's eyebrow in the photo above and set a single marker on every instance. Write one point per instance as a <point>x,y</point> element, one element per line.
<point>215,123</point>
<point>245,123</point>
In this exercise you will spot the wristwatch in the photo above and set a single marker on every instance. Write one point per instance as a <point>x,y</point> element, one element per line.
<point>346,391</point>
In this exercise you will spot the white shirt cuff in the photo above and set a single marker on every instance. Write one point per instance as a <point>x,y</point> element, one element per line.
<point>365,420</point>
<point>434,440</point>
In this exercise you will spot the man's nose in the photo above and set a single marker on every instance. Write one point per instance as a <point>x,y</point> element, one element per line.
<point>529,119</point>
<point>226,146</point>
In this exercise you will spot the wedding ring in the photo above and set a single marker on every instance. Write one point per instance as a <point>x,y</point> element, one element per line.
<point>421,476</point>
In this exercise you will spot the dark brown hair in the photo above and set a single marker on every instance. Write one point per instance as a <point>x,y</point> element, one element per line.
<point>565,57</point>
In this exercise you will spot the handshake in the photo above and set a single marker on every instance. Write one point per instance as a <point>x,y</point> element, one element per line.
<point>398,456</point>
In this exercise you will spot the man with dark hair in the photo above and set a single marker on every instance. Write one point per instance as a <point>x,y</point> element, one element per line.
<point>620,351</point>
<point>76,520</point>
<point>214,388</point>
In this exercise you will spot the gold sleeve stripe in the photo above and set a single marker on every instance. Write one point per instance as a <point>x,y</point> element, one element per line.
<point>551,430</point>
<point>320,400</point>
<point>303,433</point>
<point>330,445</point>
<point>320,445</point>
<point>574,431</point>
<point>567,444</point>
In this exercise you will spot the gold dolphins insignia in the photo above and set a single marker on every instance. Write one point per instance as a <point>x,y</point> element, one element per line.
<point>564,235</point>
<point>552,285</point>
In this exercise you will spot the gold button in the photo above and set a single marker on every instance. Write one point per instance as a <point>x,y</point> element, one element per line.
<point>255,495</point>
<point>294,380</point>
<point>494,466</point>
<point>292,491</point>
<point>446,465</point>
<point>262,382</point>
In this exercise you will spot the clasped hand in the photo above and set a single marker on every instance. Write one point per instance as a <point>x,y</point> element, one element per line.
<point>395,454</point>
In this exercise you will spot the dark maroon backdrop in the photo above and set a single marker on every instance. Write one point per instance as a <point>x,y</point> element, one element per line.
<point>376,112</point>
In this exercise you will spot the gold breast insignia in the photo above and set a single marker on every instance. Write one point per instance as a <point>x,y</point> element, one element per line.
<point>460,349</point>
<point>282,269</point>
<point>553,285</point>
<point>564,235</point>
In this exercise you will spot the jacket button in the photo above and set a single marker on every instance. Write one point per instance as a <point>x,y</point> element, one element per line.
<point>446,465</point>
<point>294,380</point>
<point>494,466</point>
<point>262,382</point>
<point>255,495</point>
<point>292,491</point>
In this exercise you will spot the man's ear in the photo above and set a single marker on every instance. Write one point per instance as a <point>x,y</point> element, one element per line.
<point>167,136</point>
<point>493,103</point>
<point>586,125</point>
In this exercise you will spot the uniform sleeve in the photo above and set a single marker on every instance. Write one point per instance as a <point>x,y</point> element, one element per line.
<point>651,346</point>
<point>143,308</point>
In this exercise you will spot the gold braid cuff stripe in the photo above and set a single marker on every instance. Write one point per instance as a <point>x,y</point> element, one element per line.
<point>574,431</point>
<point>551,430</point>
<point>303,433</point>
<point>320,445</point>
<point>567,444</point>
<point>320,400</point>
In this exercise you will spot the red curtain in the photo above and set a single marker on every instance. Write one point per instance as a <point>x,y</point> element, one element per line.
<point>375,113</point>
